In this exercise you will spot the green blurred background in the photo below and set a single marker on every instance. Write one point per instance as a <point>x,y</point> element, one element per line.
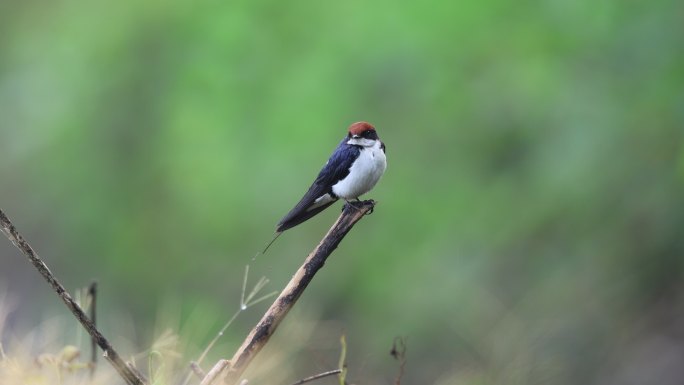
<point>530,226</point>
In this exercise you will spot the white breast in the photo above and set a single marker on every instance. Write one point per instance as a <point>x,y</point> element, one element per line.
<point>363,174</point>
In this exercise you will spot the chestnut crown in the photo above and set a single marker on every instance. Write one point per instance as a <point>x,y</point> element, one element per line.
<point>362,130</point>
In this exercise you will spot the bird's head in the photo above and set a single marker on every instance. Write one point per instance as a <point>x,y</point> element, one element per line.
<point>362,134</point>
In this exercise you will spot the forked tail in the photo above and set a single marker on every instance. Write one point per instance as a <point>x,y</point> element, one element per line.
<point>277,234</point>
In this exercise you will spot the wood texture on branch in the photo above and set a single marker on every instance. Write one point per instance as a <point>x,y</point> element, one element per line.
<point>234,368</point>
<point>127,372</point>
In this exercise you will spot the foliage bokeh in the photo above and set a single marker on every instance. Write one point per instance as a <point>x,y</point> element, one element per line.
<point>530,225</point>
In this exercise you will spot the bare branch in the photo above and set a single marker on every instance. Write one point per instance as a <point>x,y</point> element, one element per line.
<point>261,333</point>
<point>127,372</point>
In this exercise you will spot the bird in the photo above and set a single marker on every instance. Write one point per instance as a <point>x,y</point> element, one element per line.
<point>354,168</point>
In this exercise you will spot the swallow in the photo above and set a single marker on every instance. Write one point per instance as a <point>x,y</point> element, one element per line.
<point>354,168</point>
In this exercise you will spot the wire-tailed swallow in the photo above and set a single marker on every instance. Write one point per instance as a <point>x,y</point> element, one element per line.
<point>353,169</point>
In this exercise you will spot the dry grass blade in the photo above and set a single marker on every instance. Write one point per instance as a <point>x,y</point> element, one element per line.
<point>318,376</point>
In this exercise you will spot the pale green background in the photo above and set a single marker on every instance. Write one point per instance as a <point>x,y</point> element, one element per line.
<point>530,228</point>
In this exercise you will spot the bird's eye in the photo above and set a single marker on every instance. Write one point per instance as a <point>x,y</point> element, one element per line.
<point>369,134</point>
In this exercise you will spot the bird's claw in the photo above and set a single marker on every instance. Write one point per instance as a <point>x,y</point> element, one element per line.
<point>357,205</point>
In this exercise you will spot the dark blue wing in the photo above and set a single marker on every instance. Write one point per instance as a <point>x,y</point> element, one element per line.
<point>335,169</point>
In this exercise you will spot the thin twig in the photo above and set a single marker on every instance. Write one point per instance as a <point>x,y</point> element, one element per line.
<point>127,372</point>
<point>318,376</point>
<point>92,294</point>
<point>399,353</point>
<point>195,368</point>
<point>342,363</point>
<point>261,333</point>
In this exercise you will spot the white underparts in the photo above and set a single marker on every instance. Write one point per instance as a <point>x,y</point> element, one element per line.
<point>365,172</point>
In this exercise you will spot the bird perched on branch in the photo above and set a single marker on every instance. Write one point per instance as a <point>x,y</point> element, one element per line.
<point>353,169</point>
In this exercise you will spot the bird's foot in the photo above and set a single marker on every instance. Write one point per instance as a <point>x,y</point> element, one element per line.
<point>358,204</point>
<point>352,204</point>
